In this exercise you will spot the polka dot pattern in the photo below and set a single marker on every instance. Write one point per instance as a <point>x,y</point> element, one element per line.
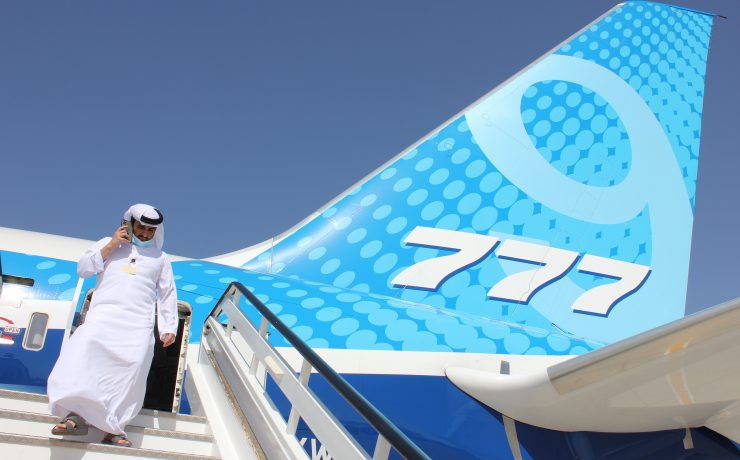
<point>660,51</point>
<point>334,317</point>
<point>591,146</point>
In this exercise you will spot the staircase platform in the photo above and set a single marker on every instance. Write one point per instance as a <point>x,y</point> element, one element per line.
<point>217,433</point>
<point>25,432</point>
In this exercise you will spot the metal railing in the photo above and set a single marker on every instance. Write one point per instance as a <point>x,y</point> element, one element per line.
<point>243,354</point>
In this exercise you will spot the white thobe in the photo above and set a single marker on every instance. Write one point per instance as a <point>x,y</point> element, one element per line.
<point>102,369</point>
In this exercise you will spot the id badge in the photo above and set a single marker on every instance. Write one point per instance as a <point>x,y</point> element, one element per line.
<point>130,268</point>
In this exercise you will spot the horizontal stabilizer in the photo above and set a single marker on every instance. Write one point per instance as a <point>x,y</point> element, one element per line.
<point>683,374</point>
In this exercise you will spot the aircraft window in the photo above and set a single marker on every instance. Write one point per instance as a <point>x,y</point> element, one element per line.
<point>36,332</point>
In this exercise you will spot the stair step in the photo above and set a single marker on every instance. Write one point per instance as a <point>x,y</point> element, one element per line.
<point>173,422</point>
<point>147,418</point>
<point>25,446</point>
<point>19,400</point>
<point>39,425</point>
<point>24,395</point>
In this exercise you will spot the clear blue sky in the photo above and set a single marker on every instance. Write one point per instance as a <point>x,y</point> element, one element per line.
<point>238,119</point>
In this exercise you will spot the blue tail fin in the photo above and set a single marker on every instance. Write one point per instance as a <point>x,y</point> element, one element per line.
<point>563,197</point>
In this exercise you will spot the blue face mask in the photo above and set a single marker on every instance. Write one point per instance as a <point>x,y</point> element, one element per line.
<point>142,244</point>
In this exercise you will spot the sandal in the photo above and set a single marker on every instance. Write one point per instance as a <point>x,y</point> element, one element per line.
<point>116,440</point>
<point>73,426</point>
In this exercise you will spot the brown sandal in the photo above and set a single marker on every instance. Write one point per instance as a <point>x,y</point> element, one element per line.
<point>73,426</point>
<point>116,440</point>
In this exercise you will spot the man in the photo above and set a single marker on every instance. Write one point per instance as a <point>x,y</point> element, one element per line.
<point>100,377</point>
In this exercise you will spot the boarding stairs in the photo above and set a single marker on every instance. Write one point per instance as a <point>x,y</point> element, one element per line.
<point>26,425</point>
<point>235,417</point>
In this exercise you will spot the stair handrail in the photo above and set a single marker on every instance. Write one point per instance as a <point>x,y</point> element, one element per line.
<point>394,436</point>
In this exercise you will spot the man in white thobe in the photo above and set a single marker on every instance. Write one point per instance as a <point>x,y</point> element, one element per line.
<point>100,376</point>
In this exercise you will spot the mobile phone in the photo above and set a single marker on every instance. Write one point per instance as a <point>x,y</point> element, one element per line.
<point>129,228</point>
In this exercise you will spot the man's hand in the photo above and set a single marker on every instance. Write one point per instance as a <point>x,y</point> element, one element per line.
<point>167,339</point>
<point>119,237</point>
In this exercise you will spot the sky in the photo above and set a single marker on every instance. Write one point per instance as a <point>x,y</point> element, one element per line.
<point>239,119</point>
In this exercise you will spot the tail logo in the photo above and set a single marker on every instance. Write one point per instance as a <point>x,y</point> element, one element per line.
<point>520,287</point>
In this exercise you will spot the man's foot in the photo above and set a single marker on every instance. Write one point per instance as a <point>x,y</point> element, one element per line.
<point>71,425</point>
<point>116,440</point>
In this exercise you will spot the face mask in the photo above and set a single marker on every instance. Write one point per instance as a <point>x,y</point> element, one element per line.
<point>141,244</point>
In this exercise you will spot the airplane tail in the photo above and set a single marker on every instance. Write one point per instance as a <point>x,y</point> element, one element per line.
<point>561,199</point>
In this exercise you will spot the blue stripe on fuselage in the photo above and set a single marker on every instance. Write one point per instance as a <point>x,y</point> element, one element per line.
<point>21,368</point>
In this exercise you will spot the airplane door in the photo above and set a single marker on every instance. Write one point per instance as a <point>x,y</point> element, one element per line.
<point>165,384</point>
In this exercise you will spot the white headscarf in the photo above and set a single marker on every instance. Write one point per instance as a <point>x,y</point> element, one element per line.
<point>149,216</point>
